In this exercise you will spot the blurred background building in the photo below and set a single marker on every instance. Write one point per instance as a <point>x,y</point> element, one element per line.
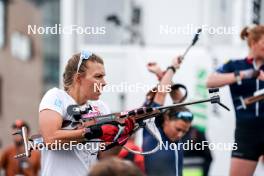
<point>127,34</point>
<point>29,64</point>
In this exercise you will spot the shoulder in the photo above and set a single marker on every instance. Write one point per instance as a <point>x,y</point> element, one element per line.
<point>54,92</point>
<point>230,65</point>
<point>8,150</point>
<point>53,99</point>
<point>239,61</point>
<point>231,62</point>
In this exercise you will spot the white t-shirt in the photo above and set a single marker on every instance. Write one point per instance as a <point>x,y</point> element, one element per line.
<point>67,162</point>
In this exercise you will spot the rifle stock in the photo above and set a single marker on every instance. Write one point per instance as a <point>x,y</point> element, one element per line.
<point>253,99</point>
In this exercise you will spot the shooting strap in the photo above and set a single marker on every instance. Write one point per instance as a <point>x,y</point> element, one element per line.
<point>177,87</point>
<point>151,94</point>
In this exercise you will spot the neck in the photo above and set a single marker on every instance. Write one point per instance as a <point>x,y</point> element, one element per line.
<point>75,94</point>
<point>258,60</point>
<point>250,54</point>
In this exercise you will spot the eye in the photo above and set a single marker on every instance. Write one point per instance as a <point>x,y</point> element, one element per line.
<point>178,130</point>
<point>99,76</point>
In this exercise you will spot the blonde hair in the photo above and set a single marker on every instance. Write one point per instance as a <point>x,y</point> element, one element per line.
<point>71,68</point>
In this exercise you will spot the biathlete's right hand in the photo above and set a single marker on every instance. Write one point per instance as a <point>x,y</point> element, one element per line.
<point>176,62</point>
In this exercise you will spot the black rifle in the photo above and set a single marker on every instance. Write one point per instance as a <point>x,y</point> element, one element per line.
<point>139,115</point>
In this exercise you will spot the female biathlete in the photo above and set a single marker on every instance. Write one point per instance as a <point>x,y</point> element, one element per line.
<point>245,76</point>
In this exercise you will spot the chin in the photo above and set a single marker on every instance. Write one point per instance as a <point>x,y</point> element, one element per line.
<point>96,97</point>
<point>175,140</point>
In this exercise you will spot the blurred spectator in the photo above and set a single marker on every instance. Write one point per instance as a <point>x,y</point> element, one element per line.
<point>200,159</point>
<point>115,167</point>
<point>170,127</point>
<point>24,166</point>
<point>137,159</point>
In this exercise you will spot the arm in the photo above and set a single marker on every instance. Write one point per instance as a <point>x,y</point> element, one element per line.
<point>154,68</point>
<point>4,161</point>
<point>50,128</point>
<point>166,82</point>
<point>53,121</point>
<point>220,79</point>
<point>225,75</point>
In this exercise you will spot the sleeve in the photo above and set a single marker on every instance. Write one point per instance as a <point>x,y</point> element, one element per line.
<point>154,104</point>
<point>148,103</point>
<point>226,68</point>
<point>158,119</point>
<point>52,101</point>
<point>152,122</point>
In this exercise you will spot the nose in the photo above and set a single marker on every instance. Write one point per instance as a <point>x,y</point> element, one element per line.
<point>103,83</point>
<point>180,135</point>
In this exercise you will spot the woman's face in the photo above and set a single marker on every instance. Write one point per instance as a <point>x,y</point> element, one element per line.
<point>92,82</point>
<point>258,48</point>
<point>175,129</point>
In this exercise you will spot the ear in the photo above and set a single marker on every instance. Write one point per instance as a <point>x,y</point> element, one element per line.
<point>166,119</point>
<point>77,78</point>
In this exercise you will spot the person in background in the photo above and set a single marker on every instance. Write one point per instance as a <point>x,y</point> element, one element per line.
<point>200,159</point>
<point>195,133</point>
<point>137,159</point>
<point>170,127</point>
<point>115,167</point>
<point>244,76</point>
<point>24,166</point>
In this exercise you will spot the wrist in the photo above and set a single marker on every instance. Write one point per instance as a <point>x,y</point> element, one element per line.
<point>238,76</point>
<point>241,74</point>
<point>160,75</point>
<point>172,68</point>
<point>159,72</point>
<point>249,74</point>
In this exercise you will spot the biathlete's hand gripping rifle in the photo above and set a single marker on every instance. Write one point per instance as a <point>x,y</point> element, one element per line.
<point>139,116</point>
